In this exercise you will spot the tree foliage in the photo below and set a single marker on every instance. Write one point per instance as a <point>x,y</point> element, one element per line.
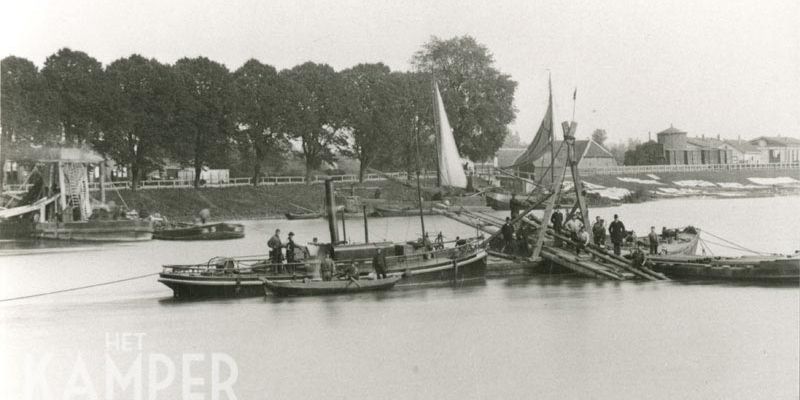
<point>74,86</point>
<point>648,153</point>
<point>314,114</point>
<point>259,94</point>
<point>478,98</point>
<point>204,117</point>
<point>600,136</point>
<point>140,114</point>
<point>370,112</point>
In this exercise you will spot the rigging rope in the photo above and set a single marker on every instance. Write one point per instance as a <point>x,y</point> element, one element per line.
<point>79,287</point>
<point>738,246</point>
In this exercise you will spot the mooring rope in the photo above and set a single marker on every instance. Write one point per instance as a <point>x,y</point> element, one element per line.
<point>80,287</point>
<point>736,245</point>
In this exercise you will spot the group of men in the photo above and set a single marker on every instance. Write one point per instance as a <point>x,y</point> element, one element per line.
<point>575,229</point>
<point>616,232</point>
<point>324,268</point>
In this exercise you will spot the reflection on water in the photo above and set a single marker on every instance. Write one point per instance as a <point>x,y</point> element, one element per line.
<point>522,337</point>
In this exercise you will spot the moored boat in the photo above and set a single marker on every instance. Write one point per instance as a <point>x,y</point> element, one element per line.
<point>308,215</point>
<point>216,231</point>
<point>776,268</point>
<point>338,286</point>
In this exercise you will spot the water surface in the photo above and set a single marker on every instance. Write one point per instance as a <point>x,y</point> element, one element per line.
<point>539,337</point>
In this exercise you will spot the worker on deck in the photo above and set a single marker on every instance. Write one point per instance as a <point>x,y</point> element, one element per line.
<point>327,267</point>
<point>275,245</point>
<point>379,264</point>
<point>351,270</point>
<point>290,248</point>
<point>581,240</point>
<point>637,260</point>
<point>515,205</point>
<point>508,235</point>
<point>599,232</point>
<point>204,214</point>
<point>557,219</point>
<point>652,237</point>
<point>574,226</point>
<point>617,232</point>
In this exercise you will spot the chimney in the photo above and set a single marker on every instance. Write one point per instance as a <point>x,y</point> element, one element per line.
<point>718,136</point>
<point>649,138</point>
<point>740,139</point>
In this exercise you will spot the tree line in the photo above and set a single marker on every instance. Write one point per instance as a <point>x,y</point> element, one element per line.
<point>140,112</point>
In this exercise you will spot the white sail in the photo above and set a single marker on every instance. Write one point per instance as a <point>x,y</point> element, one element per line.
<point>451,173</point>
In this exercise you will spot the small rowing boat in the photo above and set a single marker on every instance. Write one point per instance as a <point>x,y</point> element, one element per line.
<point>218,231</point>
<point>316,288</point>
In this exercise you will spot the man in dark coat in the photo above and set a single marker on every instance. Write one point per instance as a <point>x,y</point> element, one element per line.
<point>617,232</point>
<point>379,264</point>
<point>275,245</point>
<point>508,234</point>
<point>557,219</point>
<point>290,248</point>
<point>514,205</point>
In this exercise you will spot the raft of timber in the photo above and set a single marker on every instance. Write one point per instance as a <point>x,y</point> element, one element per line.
<point>597,264</point>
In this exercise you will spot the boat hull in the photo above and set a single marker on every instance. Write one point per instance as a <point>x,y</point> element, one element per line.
<point>219,231</point>
<point>468,269</point>
<point>96,231</point>
<point>320,288</point>
<point>754,269</point>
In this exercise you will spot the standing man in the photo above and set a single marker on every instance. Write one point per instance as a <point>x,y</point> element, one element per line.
<point>379,264</point>
<point>599,232</point>
<point>557,219</point>
<point>653,238</point>
<point>508,233</point>
<point>513,204</point>
<point>617,232</point>
<point>328,267</point>
<point>290,248</point>
<point>275,245</point>
<point>581,240</point>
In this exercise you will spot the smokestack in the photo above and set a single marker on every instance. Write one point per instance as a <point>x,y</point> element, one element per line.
<point>740,139</point>
<point>718,136</point>
<point>330,209</point>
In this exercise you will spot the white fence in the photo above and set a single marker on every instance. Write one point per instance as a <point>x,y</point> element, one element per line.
<point>646,169</point>
<point>263,181</point>
<point>298,180</point>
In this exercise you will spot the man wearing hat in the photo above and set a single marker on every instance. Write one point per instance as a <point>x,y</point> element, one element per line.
<point>290,248</point>
<point>275,245</point>
<point>617,232</point>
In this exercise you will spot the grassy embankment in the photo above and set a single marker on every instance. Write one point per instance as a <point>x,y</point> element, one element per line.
<point>248,202</point>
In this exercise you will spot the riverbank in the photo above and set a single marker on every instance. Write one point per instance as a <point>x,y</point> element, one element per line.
<point>268,202</point>
<point>251,202</point>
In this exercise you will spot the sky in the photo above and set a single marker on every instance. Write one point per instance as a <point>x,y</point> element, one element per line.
<point>727,67</point>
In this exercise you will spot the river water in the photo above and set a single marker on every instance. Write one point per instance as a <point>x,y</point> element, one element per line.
<point>535,337</point>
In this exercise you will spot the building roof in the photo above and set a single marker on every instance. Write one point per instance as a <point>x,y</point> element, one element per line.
<point>780,141</point>
<point>583,148</point>
<point>710,143</point>
<point>743,147</point>
<point>670,130</point>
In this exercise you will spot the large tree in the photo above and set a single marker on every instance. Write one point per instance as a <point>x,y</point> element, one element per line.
<point>140,113</point>
<point>23,116</point>
<point>478,98</point>
<point>370,112</point>
<point>259,95</point>
<point>74,82</point>
<point>648,153</point>
<point>314,113</point>
<point>412,138</point>
<point>204,115</point>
